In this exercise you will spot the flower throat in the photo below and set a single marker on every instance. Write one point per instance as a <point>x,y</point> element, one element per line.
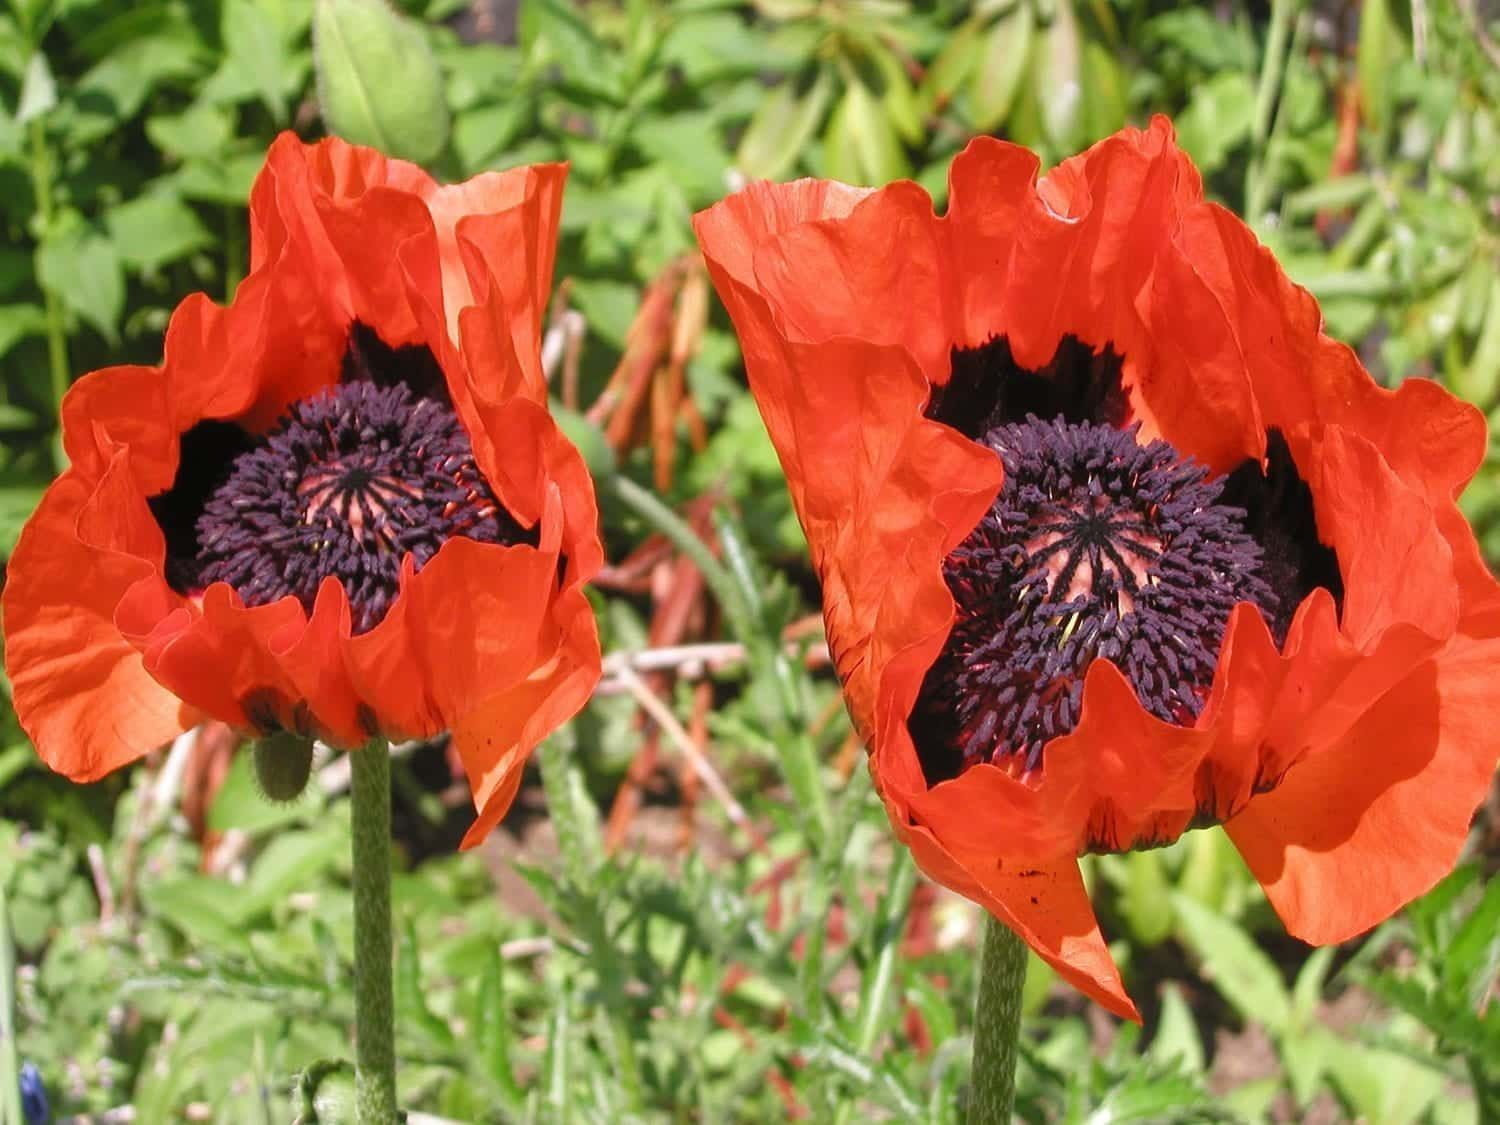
<point>347,484</point>
<point>1097,547</point>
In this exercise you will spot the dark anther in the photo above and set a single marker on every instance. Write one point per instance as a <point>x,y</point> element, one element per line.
<point>347,485</point>
<point>1097,547</point>
<point>1280,518</point>
<point>987,388</point>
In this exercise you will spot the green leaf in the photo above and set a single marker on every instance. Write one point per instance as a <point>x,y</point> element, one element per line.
<point>18,322</point>
<point>225,179</point>
<point>860,144</point>
<point>1057,79</point>
<point>206,910</point>
<point>1217,119</point>
<point>1177,1042</point>
<point>588,439</point>
<point>1380,45</point>
<point>1473,955</point>
<point>1381,1085</point>
<point>80,267</point>
<point>17,502</point>
<point>952,67</point>
<point>378,83</point>
<point>1234,964</point>
<point>154,229</point>
<point>258,58</point>
<point>1145,902</point>
<point>1307,992</point>
<point>38,90</point>
<point>782,127</point>
<point>1105,104</point>
<point>202,130</point>
<point>1001,67</point>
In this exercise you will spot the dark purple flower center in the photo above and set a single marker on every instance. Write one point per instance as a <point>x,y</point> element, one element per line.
<point>347,485</point>
<point>1097,547</point>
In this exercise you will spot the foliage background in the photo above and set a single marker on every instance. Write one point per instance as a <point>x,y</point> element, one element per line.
<point>635,943</point>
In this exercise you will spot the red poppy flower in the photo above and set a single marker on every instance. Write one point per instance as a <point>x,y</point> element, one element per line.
<point>339,506</point>
<point>1114,541</point>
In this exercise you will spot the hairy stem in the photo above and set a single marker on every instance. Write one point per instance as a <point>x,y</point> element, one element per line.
<point>374,1009</point>
<point>997,1025</point>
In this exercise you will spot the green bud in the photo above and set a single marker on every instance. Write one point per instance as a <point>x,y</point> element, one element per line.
<point>283,762</point>
<point>378,83</point>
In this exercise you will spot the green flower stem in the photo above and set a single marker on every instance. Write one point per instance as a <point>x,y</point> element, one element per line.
<point>1273,66</point>
<point>374,1009</point>
<point>740,606</point>
<point>10,1063</point>
<point>997,1025</point>
<point>1486,1090</point>
<point>41,186</point>
<point>799,758</point>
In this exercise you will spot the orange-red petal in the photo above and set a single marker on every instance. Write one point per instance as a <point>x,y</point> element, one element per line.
<point>340,236</point>
<point>1117,248</point>
<point>80,690</point>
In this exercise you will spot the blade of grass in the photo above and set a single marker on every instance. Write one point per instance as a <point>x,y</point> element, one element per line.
<point>10,1063</point>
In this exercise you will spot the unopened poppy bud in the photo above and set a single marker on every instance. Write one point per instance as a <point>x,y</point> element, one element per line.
<point>378,83</point>
<point>283,762</point>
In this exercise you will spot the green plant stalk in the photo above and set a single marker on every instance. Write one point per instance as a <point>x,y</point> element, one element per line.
<point>57,338</point>
<point>374,1007</point>
<point>10,1063</point>
<point>1486,1090</point>
<point>1272,69</point>
<point>578,840</point>
<point>663,519</point>
<point>997,1025</point>
<point>889,926</point>
<point>799,760</point>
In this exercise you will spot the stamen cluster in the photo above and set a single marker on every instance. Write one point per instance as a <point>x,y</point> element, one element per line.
<point>346,485</point>
<point>1097,547</point>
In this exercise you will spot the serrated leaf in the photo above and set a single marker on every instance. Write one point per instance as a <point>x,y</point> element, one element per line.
<point>378,83</point>
<point>1234,964</point>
